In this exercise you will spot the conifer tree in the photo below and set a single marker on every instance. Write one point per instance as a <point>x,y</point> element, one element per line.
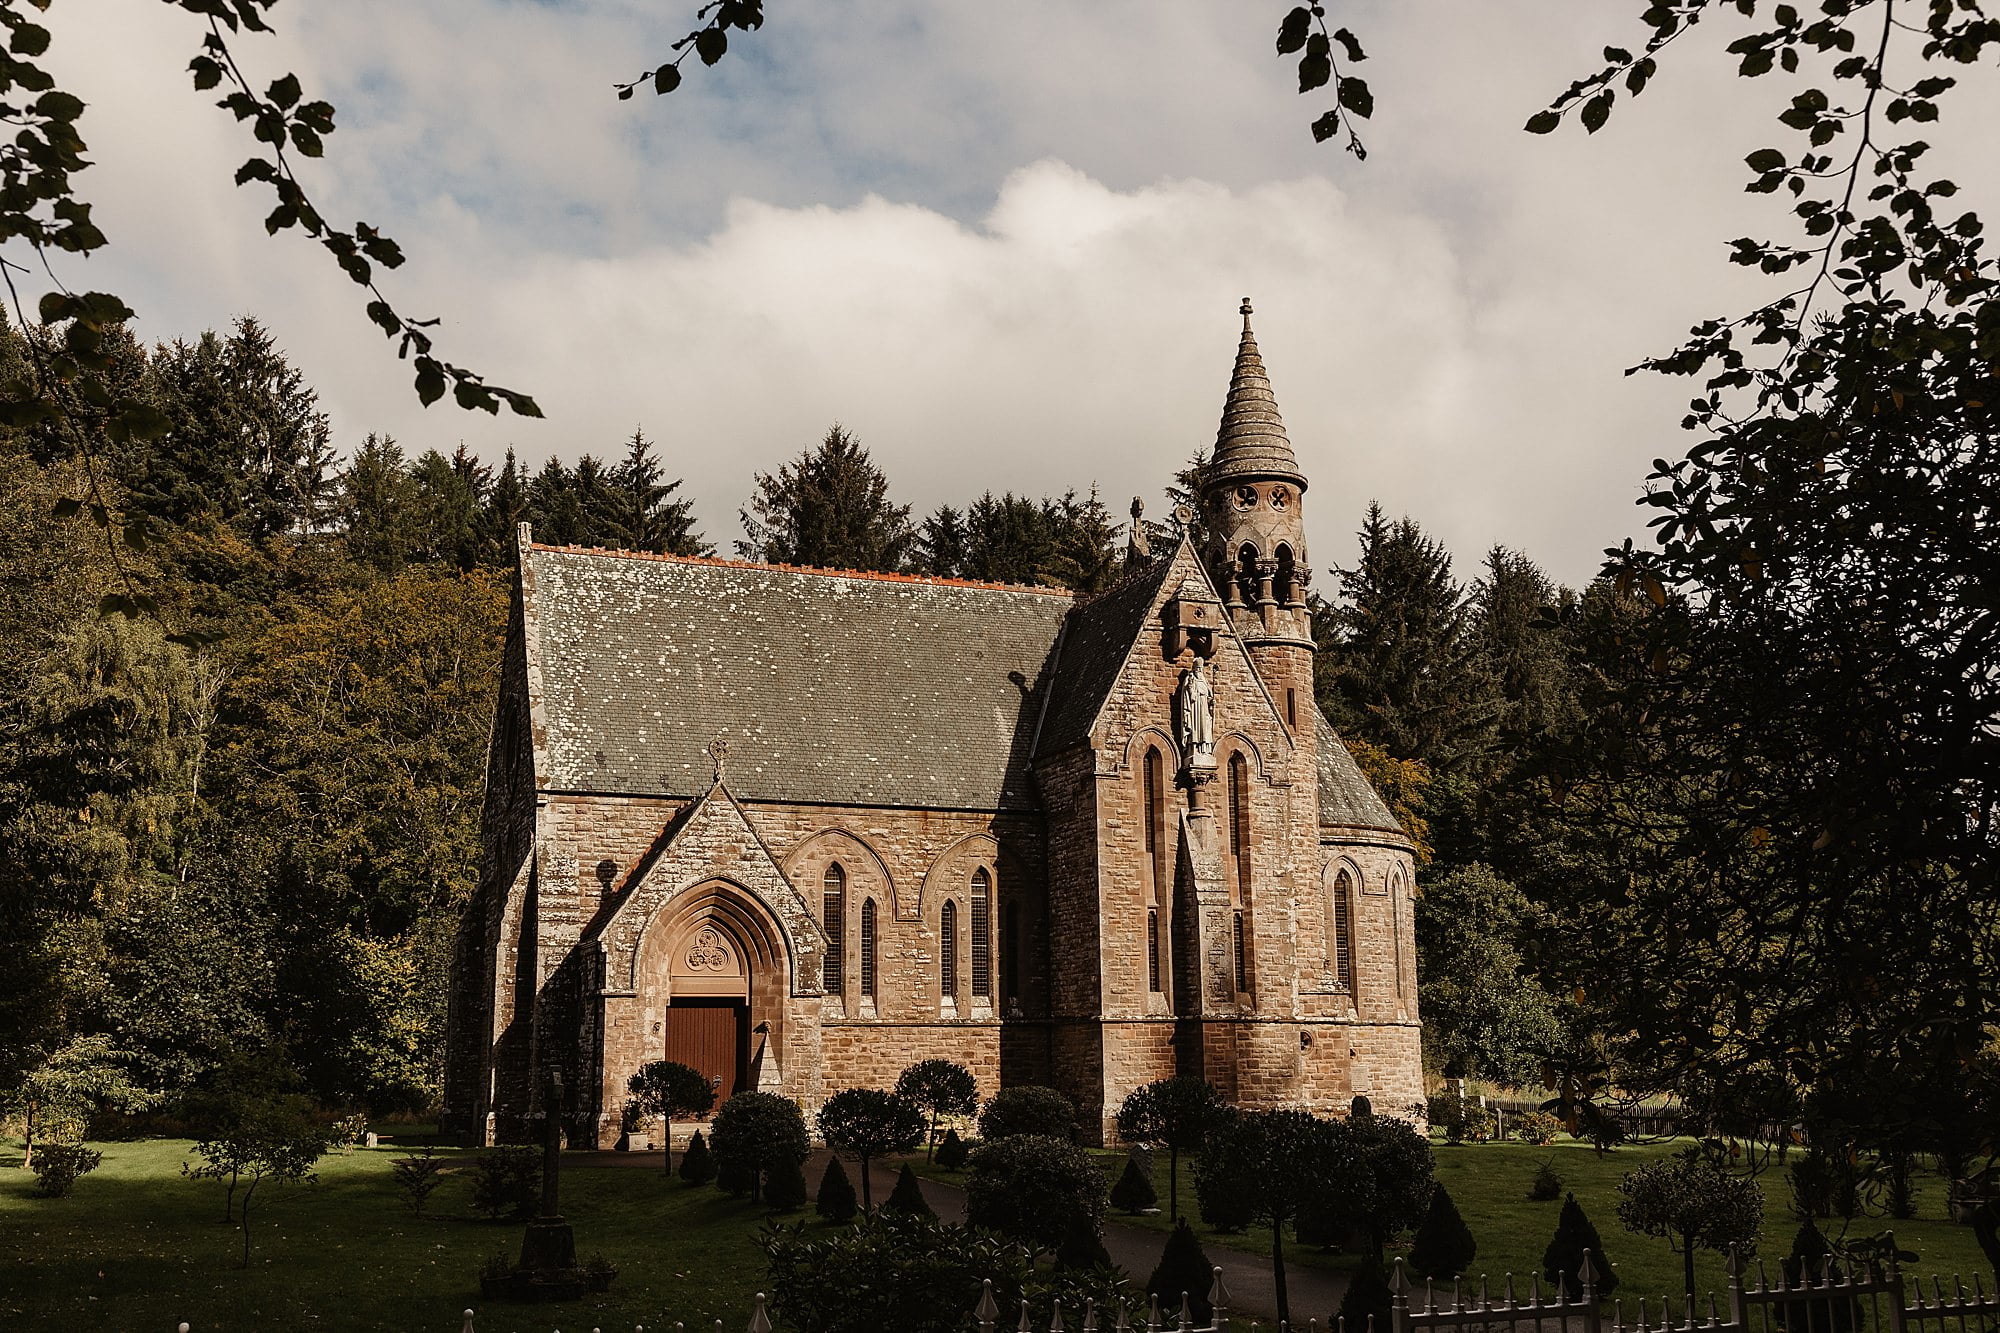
<point>1443,1247</point>
<point>908,1196</point>
<point>951,1153</point>
<point>697,1164</point>
<point>835,1201</point>
<point>1562,1262</point>
<point>785,1184</point>
<point>644,514</point>
<point>506,506</point>
<point>377,504</point>
<point>1133,1192</point>
<point>828,507</point>
<point>1183,1267</point>
<point>940,544</point>
<point>1082,1245</point>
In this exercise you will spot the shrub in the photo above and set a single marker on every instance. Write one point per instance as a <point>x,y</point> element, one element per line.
<point>938,1087</point>
<point>752,1135</point>
<point>1360,1106</point>
<point>836,1201</point>
<point>1462,1119</point>
<point>890,1271</point>
<point>785,1185</point>
<point>1443,1247</point>
<point>1134,1191</point>
<point>870,1123</point>
<point>507,1183</point>
<point>908,1196</point>
<point>697,1164</point>
<point>1548,1186</point>
<point>1183,1268</point>
<point>58,1166</point>
<point>1825,1183</point>
<point>417,1178</point>
<point>1367,1299</point>
<point>1032,1187</point>
<point>1043,1112</point>
<point>1222,1191</point>
<point>1562,1262</point>
<point>1082,1246</point>
<point>951,1154</point>
<point>1693,1201</point>
<point>1813,1314</point>
<point>1538,1128</point>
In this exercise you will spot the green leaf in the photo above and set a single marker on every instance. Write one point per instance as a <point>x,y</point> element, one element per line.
<point>430,380</point>
<point>58,105</point>
<point>1597,110</point>
<point>1354,95</point>
<point>1542,122</point>
<point>56,307</point>
<point>1765,159</point>
<point>666,78</point>
<point>306,140</point>
<point>69,506</point>
<point>1316,65</point>
<point>116,604</point>
<point>1350,45</point>
<point>711,45</point>
<point>29,40</point>
<point>284,91</point>
<point>625,94</point>
<point>1292,32</point>
<point>1326,127</point>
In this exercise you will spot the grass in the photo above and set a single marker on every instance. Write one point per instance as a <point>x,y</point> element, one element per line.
<point>137,1247</point>
<point>1489,1183</point>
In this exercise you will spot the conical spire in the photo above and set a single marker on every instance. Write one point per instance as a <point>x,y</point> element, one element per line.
<point>1252,440</point>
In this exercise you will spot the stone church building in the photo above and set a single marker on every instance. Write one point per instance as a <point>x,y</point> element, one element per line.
<point>800,828</point>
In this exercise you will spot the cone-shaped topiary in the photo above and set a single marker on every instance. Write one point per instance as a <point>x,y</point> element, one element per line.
<point>1134,1191</point>
<point>785,1185</point>
<point>733,1177</point>
<point>1365,1307</point>
<point>836,1194</point>
<point>697,1165</point>
<point>951,1154</point>
<point>1082,1248</point>
<point>908,1198</point>
<point>1444,1246</point>
<point>1805,1266</point>
<point>1562,1262</point>
<point>1183,1267</point>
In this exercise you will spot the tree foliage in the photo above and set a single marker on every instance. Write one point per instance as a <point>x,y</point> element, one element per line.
<point>672,1091</point>
<point>1177,1113</point>
<point>1027,1109</point>
<point>828,507</point>
<point>1694,1201</point>
<point>939,1088</point>
<point>1033,1187</point>
<point>870,1123</point>
<point>753,1133</point>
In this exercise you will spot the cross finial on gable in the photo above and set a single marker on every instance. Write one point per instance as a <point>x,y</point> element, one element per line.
<point>718,751</point>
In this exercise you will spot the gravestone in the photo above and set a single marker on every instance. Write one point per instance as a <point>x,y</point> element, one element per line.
<point>548,1269</point>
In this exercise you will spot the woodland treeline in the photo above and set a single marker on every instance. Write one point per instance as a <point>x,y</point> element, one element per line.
<point>237,825</point>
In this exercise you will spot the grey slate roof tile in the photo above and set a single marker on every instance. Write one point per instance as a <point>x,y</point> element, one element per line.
<point>840,688</point>
<point>1093,649</point>
<point>1346,798</point>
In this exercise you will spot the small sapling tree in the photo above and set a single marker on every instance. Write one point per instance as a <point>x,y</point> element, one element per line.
<point>275,1141</point>
<point>1443,1247</point>
<point>938,1088</point>
<point>1282,1161</point>
<point>835,1201</point>
<point>1177,1113</point>
<point>417,1178</point>
<point>1562,1262</point>
<point>1693,1201</point>
<point>56,1097</point>
<point>870,1123</point>
<point>672,1091</point>
<point>752,1134</point>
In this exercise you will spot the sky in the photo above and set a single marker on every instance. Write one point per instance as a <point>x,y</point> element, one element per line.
<point>1003,243</point>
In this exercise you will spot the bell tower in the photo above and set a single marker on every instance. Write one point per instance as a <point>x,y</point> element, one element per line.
<point>1257,542</point>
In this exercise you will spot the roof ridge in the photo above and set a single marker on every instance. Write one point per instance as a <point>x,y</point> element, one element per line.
<point>1151,565</point>
<point>881,576</point>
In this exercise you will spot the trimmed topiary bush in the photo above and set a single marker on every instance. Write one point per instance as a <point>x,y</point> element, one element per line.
<point>870,1123</point>
<point>951,1154</point>
<point>697,1164</point>
<point>1562,1262</point>
<point>785,1185</point>
<point>836,1201</point>
<point>1032,1187</point>
<point>908,1196</point>
<point>752,1135</point>
<point>1366,1304</point>
<point>1082,1247</point>
<point>1830,1313</point>
<point>938,1088</point>
<point>1184,1267</point>
<point>1443,1247</point>
<point>1134,1192</point>
<point>1027,1110</point>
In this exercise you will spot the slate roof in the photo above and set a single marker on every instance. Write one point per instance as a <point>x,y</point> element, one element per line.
<point>1346,799</point>
<point>1094,645</point>
<point>829,687</point>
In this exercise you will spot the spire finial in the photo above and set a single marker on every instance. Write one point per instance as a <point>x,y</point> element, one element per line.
<point>1245,310</point>
<point>718,753</point>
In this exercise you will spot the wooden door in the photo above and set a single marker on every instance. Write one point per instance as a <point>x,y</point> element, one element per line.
<point>709,1035</point>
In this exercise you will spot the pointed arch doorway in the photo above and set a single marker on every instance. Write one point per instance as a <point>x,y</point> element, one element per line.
<point>708,1014</point>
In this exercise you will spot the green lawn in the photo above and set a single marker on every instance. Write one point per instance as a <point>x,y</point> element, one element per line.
<point>137,1247</point>
<point>1489,1182</point>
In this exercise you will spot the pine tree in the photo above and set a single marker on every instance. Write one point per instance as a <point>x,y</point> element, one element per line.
<point>827,507</point>
<point>908,1196</point>
<point>1526,657</point>
<point>1183,1267</point>
<point>1134,1192</point>
<point>785,1185</point>
<point>1082,1247</point>
<point>506,506</point>
<point>597,503</point>
<point>697,1164</point>
<point>940,544</point>
<point>378,505</point>
<point>554,506</point>
<point>835,1201</point>
<point>951,1153</point>
<point>644,516</point>
<point>1087,557</point>
<point>447,496</point>
<point>1443,1247</point>
<point>1562,1262</point>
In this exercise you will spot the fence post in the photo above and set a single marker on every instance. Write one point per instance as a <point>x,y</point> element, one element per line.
<point>1218,1299</point>
<point>1735,1266</point>
<point>466,1329</point>
<point>760,1321</point>
<point>1587,1272</point>
<point>1893,1276</point>
<point>1399,1299</point>
<point>987,1310</point>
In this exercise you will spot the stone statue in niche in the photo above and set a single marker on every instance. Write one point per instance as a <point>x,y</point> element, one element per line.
<point>1195,700</point>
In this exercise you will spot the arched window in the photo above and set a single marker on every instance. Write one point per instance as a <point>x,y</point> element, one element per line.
<point>1155,817</point>
<point>1153,950</point>
<point>833,920</point>
<point>868,948</point>
<point>948,950</point>
<point>1239,822</point>
<point>1286,582</point>
<point>1241,955</point>
<point>982,934</point>
<point>1397,893</point>
<point>1246,573</point>
<point>1010,953</point>
<point>1343,931</point>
